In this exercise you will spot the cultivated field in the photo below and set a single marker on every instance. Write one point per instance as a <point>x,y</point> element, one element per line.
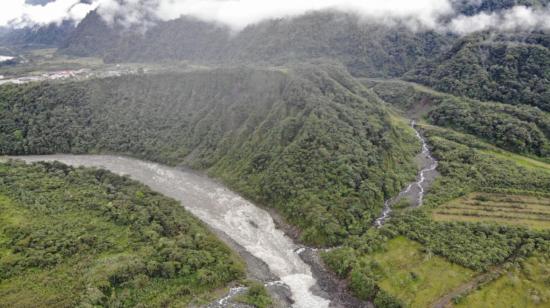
<point>416,277</point>
<point>524,286</point>
<point>524,210</point>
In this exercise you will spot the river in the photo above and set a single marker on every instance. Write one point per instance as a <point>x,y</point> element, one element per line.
<point>414,192</point>
<point>239,221</point>
<point>244,223</point>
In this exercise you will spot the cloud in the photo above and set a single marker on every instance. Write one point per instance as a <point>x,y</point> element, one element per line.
<point>237,14</point>
<point>18,13</point>
<point>516,18</point>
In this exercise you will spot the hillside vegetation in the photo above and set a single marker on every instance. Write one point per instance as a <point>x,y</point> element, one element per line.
<point>325,149</point>
<point>487,66</point>
<point>465,166</point>
<point>521,129</point>
<point>529,211</point>
<point>366,48</point>
<point>311,142</point>
<point>523,286</point>
<point>85,237</point>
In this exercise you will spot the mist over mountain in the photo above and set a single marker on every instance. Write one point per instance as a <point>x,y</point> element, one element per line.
<point>511,68</point>
<point>368,47</point>
<point>52,35</point>
<point>384,140</point>
<point>38,2</point>
<point>363,47</point>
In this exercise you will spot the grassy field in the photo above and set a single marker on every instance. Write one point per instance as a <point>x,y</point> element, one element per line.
<point>525,286</point>
<point>528,211</point>
<point>415,277</point>
<point>521,160</point>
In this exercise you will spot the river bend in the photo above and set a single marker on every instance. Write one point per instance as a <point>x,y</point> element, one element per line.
<point>249,226</point>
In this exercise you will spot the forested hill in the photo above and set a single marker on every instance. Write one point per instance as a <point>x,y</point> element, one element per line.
<point>509,68</point>
<point>310,141</point>
<point>75,237</point>
<point>52,35</point>
<point>365,48</point>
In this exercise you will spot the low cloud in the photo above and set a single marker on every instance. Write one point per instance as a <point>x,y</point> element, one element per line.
<point>18,13</point>
<point>237,14</point>
<point>516,18</point>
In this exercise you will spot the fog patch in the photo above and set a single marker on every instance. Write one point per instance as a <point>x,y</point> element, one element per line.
<point>438,15</point>
<point>514,19</point>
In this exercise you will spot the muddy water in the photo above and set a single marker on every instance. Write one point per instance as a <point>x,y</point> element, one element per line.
<point>415,191</point>
<point>247,225</point>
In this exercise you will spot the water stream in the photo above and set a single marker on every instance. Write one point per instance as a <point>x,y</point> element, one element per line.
<point>242,222</point>
<point>414,192</point>
<point>223,210</point>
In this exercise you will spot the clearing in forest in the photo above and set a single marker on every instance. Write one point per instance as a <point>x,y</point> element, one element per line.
<point>523,210</point>
<point>525,285</point>
<point>417,277</point>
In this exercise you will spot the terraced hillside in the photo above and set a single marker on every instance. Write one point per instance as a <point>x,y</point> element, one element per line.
<point>486,212</point>
<point>524,210</point>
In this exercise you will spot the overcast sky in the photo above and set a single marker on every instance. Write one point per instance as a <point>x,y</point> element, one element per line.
<point>239,13</point>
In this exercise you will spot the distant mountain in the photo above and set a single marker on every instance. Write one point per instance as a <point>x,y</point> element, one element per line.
<point>366,48</point>
<point>470,7</point>
<point>511,68</point>
<point>38,2</point>
<point>92,37</point>
<point>52,35</point>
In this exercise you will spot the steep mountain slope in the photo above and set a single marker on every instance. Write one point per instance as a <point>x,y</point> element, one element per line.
<point>365,48</point>
<point>92,37</point>
<point>469,7</point>
<point>308,141</point>
<point>513,69</point>
<point>382,266</point>
<point>506,67</point>
<point>521,129</point>
<point>38,36</point>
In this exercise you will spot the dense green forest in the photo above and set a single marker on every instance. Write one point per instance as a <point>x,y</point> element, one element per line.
<point>466,165</point>
<point>521,129</point>
<point>86,237</point>
<point>508,69</point>
<point>297,114</point>
<point>366,48</point>
<point>311,142</point>
<point>315,143</point>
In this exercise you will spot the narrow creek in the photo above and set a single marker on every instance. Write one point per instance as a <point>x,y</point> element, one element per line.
<point>245,224</point>
<point>414,192</point>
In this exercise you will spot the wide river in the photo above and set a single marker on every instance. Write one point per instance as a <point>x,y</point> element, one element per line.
<point>249,226</point>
